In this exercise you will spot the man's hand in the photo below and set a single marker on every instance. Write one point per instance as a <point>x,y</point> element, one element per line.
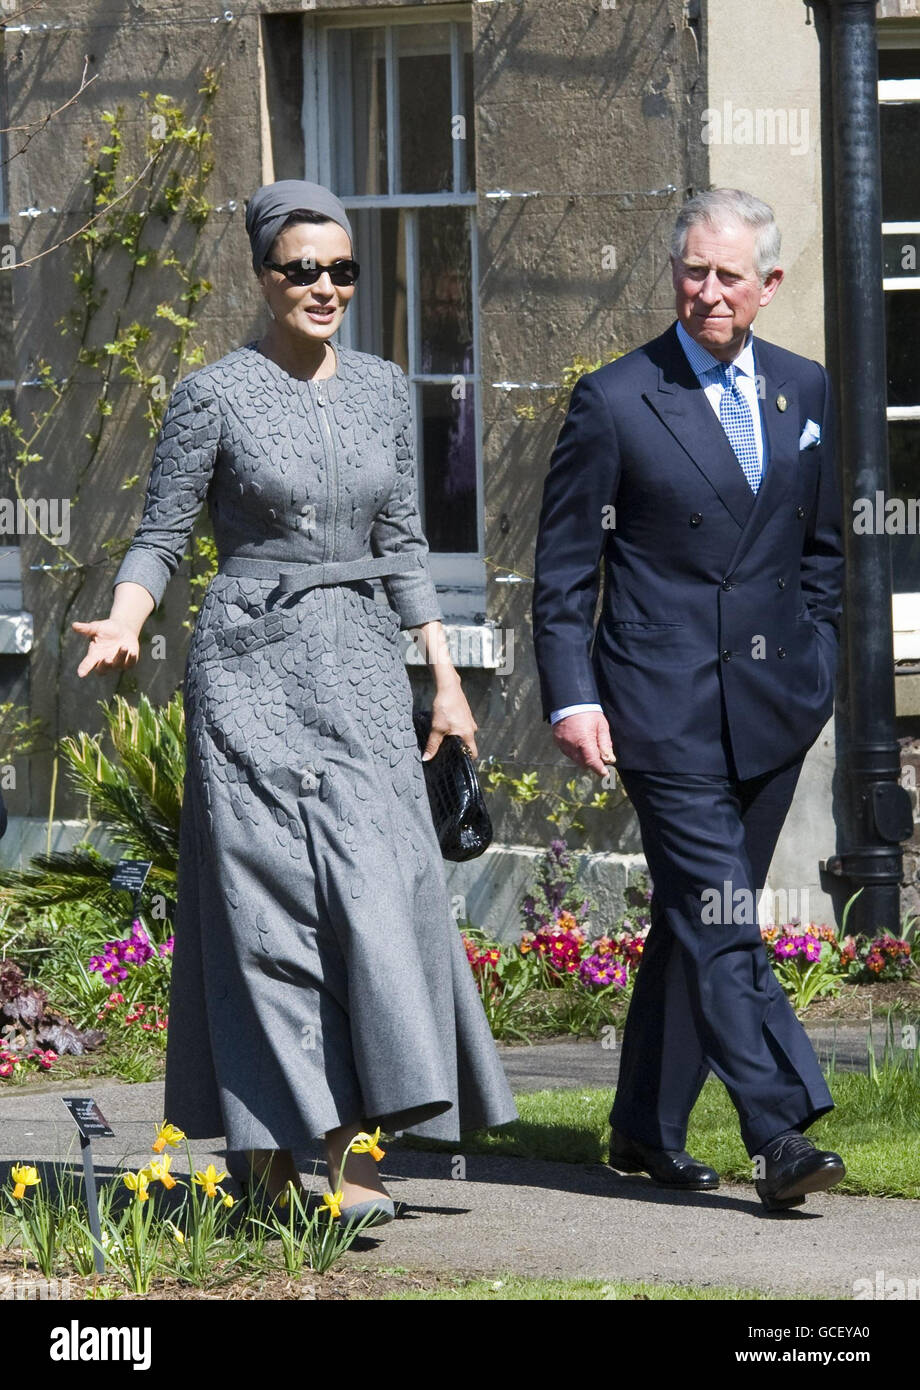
<point>585,738</point>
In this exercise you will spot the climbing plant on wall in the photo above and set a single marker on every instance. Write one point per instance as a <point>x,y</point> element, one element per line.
<point>142,203</point>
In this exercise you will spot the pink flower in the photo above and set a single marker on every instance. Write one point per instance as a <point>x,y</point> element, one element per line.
<point>43,1057</point>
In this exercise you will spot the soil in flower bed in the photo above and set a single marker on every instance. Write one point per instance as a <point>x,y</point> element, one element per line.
<point>858,1003</point>
<point>68,1071</point>
<point>340,1283</point>
<point>854,1004</point>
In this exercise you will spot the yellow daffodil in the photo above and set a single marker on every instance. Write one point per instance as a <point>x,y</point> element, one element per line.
<point>158,1171</point>
<point>167,1134</point>
<point>23,1176</point>
<point>138,1184</point>
<point>332,1200</point>
<point>367,1144</point>
<point>228,1200</point>
<point>178,1236</point>
<point>209,1180</point>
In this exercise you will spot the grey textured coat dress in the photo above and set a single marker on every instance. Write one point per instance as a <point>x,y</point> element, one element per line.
<point>318,975</point>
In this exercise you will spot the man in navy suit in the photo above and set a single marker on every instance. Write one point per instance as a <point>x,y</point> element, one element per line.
<point>701,467</point>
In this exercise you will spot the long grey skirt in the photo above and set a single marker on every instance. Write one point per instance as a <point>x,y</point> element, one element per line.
<point>318,975</point>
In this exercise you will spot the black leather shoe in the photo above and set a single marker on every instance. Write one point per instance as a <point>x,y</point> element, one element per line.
<point>666,1167</point>
<point>792,1167</point>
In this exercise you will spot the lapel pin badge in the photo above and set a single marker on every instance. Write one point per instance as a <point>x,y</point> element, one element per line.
<point>781,402</point>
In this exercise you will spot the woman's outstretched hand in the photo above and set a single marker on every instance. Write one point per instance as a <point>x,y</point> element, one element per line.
<point>113,646</point>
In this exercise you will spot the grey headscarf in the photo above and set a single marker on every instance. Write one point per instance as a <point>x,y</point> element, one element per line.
<point>270,206</point>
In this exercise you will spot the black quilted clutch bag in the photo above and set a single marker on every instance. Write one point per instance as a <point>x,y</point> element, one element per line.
<point>458,810</point>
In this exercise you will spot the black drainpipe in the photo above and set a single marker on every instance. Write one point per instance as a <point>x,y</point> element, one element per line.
<point>879,810</point>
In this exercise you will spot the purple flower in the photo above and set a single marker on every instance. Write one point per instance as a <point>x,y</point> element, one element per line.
<point>560,852</point>
<point>135,949</point>
<point>597,972</point>
<point>110,969</point>
<point>167,947</point>
<point>136,953</point>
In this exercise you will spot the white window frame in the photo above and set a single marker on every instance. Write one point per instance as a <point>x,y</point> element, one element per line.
<point>897,91</point>
<point>460,577</point>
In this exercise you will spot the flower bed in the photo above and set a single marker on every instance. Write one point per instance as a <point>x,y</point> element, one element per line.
<point>561,977</point>
<point>35,1037</point>
<point>194,1236</point>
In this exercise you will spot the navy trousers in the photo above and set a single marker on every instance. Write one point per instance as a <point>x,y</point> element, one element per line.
<point>705,996</point>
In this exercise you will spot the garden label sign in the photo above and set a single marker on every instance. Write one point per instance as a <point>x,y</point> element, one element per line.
<point>131,875</point>
<point>88,1118</point>
<point>92,1124</point>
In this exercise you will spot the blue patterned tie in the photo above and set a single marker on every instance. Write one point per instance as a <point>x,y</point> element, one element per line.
<point>738,424</point>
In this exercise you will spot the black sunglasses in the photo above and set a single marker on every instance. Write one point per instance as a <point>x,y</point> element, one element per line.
<point>340,272</point>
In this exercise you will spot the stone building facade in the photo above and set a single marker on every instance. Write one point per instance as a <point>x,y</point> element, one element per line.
<point>513,168</point>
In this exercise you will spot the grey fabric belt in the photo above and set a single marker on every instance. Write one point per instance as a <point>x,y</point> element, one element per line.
<point>296,575</point>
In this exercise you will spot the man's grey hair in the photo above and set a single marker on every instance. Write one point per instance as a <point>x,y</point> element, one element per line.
<point>722,205</point>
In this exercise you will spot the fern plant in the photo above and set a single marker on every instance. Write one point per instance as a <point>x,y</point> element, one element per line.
<point>136,796</point>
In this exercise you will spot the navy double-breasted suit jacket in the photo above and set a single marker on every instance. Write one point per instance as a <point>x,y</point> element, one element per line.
<point>720,608</point>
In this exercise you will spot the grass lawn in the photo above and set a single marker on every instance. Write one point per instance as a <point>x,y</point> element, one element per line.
<point>515,1287</point>
<point>874,1127</point>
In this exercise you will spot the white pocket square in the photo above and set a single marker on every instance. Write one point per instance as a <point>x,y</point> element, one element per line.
<point>810,435</point>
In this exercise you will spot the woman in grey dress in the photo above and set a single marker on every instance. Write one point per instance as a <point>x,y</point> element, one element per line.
<point>319,984</point>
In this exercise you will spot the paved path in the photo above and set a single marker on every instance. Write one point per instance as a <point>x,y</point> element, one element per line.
<point>509,1214</point>
<point>589,1063</point>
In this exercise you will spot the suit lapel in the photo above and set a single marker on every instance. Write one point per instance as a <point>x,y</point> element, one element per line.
<point>681,404</point>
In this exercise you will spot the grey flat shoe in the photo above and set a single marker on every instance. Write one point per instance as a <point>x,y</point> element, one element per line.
<point>381,1208</point>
